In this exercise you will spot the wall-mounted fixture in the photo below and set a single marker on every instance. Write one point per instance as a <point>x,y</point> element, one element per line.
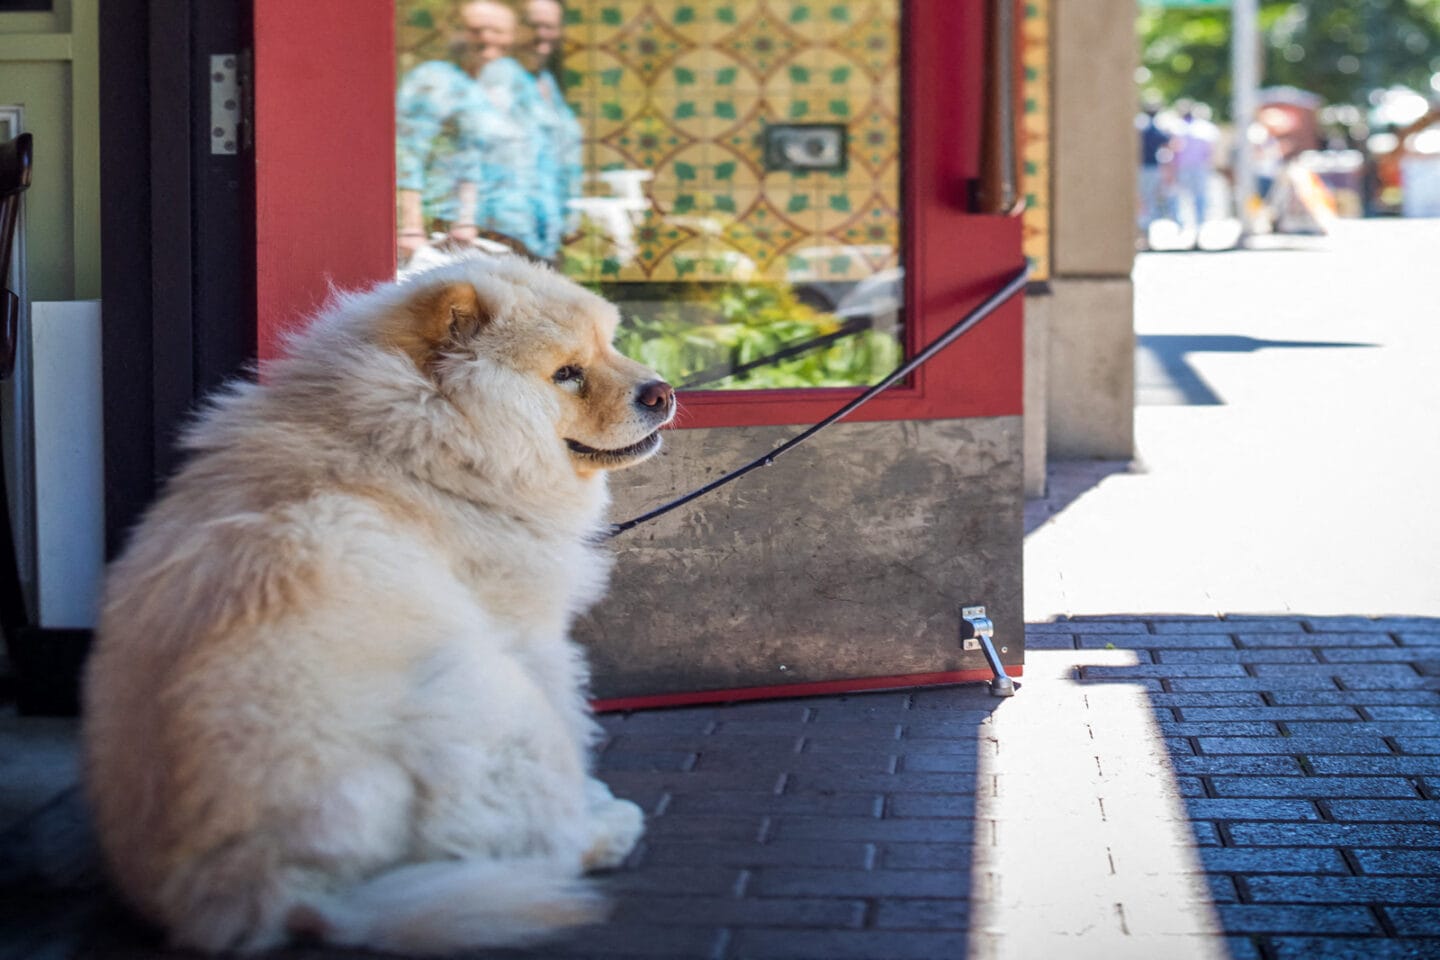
<point>800,147</point>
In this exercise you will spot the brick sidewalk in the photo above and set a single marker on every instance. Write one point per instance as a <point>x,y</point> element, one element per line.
<point>1244,787</point>
<point>1308,754</point>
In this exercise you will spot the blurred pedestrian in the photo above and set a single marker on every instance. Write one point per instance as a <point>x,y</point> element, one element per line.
<point>1154,165</point>
<point>468,146</point>
<point>438,105</point>
<point>1267,157</point>
<point>562,139</point>
<point>512,155</point>
<point>1192,144</point>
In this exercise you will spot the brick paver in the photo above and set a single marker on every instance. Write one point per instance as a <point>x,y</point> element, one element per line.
<point>1112,808</point>
<point>1352,710</point>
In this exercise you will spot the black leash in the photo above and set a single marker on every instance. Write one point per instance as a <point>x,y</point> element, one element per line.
<point>724,371</point>
<point>983,310</point>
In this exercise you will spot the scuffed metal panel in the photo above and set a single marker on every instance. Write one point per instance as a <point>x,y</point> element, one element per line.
<point>848,558</point>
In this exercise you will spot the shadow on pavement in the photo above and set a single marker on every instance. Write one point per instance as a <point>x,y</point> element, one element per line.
<point>1067,481</point>
<point>1165,376</point>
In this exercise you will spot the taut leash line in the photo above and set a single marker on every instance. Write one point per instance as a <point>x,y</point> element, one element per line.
<point>981,311</point>
<point>713,374</point>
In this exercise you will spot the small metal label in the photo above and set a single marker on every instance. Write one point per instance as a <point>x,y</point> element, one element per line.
<point>799,147</point>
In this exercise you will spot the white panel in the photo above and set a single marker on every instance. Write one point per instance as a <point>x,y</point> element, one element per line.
<point>69,461</point>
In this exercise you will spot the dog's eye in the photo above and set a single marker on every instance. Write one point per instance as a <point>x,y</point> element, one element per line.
<point>568,374</point>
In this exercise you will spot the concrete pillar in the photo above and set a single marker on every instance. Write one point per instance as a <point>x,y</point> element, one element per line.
<point>1090,381</point>
<point>1037,372</point>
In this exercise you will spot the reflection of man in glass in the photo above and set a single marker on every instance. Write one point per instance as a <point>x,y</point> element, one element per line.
<point>467,155</point>
<point>435,129</point>
<point>561,173</point>
<point>510,152</point>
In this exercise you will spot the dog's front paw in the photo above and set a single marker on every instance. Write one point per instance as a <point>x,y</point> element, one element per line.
<point>615,828</point>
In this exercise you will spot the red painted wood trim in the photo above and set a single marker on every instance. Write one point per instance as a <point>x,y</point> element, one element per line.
<point>953,259</point>
<point>980,375</point>
<point>324,155</point>
<point>325,203</point>
<point>823,688</point>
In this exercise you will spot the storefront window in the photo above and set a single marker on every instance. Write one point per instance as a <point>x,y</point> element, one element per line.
<point>728,171</point>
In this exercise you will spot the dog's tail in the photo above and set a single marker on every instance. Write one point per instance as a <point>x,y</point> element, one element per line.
<point>427,909</point>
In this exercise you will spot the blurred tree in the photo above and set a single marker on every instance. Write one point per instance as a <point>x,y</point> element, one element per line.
<point>1340,49</point>
<point>1185,53</point>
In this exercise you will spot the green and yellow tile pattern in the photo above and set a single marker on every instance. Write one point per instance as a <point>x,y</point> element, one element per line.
<point>1035,177</point>
<point>685,88</point>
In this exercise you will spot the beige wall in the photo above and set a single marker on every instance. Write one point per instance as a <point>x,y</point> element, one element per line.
<point>1037,373</point>
<point>1090,402</point>
<point>1095,149</point>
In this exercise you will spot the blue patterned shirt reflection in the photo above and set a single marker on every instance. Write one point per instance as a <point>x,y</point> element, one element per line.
<point>563,170</point>
<point>433,154</point>
<point>509,156</point>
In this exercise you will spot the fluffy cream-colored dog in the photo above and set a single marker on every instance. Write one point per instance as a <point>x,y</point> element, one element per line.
<point>333,693</point>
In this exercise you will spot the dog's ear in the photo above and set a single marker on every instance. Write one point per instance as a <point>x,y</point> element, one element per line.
<point>436,317</point>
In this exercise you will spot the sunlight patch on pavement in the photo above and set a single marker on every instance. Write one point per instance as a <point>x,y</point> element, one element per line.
<point>1083,846</point>
<point>1304,482</point>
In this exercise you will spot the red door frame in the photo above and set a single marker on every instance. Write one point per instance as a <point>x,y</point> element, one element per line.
<point>325,203</point>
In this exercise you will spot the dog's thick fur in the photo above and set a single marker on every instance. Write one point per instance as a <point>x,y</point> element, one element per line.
<point>333,694</point>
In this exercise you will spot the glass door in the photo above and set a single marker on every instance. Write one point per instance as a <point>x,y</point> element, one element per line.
<point>778,193</point>
<point>727,171</point>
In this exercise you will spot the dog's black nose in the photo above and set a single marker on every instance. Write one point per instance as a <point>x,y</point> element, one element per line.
<point>657,395</point>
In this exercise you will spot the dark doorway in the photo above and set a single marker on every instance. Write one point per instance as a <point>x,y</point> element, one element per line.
<point>178,226</point>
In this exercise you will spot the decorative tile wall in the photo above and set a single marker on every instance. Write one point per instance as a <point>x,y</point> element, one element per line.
<point>1035,180</point>
<point>679,93</point>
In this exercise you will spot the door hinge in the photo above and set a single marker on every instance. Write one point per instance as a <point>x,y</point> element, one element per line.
<point>231,110</point>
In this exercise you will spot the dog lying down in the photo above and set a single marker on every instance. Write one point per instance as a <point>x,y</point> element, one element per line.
<point>333,695</point>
